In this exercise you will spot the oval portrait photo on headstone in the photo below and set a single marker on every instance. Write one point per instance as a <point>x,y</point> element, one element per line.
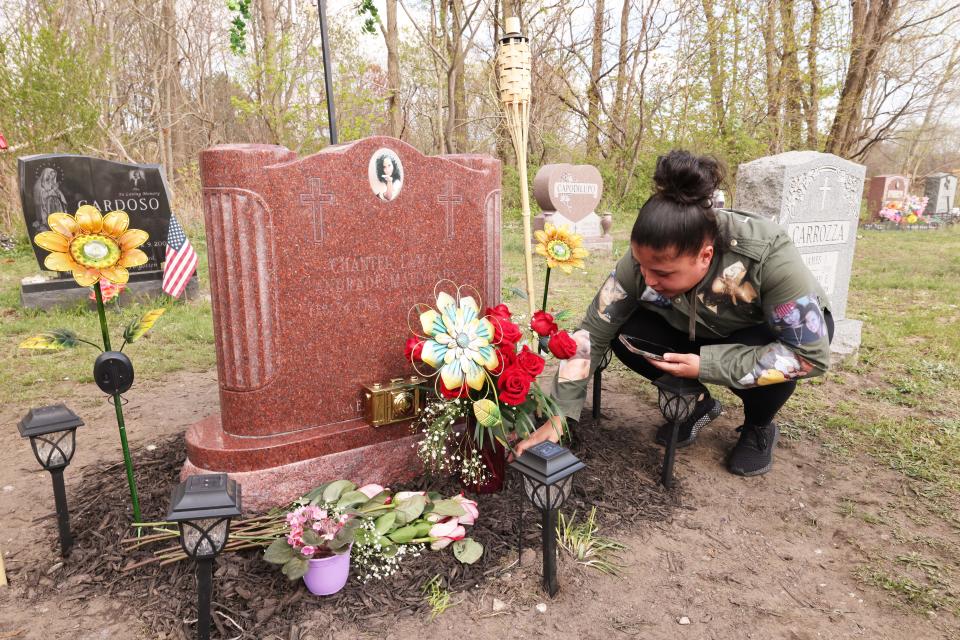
<point>386,174</point>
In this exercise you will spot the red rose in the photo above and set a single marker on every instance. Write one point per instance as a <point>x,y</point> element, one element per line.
<point>453,394</point>
<point>530,362</point>
<point>505,331</point>
<point>507,356</point>
<point>543,323</point>
<point>500,311</point>
<point>413,349</point>
<point>562,345</point>
<point>513,383</point>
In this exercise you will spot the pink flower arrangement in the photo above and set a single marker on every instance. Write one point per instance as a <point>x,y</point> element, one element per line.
<point>909,211</point>
<point>449,529</point>
<point>318,526</point>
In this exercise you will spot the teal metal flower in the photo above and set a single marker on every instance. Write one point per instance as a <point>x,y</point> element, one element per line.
<point>459,342</point>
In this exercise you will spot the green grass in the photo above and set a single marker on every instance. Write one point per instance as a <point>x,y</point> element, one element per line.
<point>181,340</point>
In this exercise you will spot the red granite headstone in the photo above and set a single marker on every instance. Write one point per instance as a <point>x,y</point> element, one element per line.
<point>314,265</point>
<point>885,189</point>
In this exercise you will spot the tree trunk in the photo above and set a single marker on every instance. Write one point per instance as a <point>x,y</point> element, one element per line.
<point>392,37</point>
<point>769,28</point>
<point>593,91</point>
<point>716,70</point>
<point>790,77</point>
<point>619,100</point>
<point>270,73</point>
<point>812,110</point>
<point>869,34</point>
<point>459,79</point>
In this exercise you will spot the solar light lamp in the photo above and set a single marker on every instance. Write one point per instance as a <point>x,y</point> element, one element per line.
<point>202,506</point>
<point>677,399</point>
<point>546,471</point>
<point>53,437</point>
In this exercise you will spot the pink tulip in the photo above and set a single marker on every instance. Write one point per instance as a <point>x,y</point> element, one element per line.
<point>403,495</point>
<point>370,490</point>
<point>470,506</point>
<point>446,532</point>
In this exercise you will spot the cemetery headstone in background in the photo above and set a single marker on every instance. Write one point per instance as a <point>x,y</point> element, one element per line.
<point>57,182</point>
<point>815,197</point>
<point>568,195</point>
<point>941,191</point>
<point>884,189</point>
<point>315,264</point>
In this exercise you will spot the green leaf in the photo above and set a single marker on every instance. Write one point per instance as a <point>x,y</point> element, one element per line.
<point>561,315</point>
<point>467,550</point>
<point>350,499</point>
<point>385,522</point>
<point>520,293</point>
<point>403,535</point>
<point>296,567</point>
<point>136,329</point>
<point>55,340</point>
<point>316,495</point>
<point>487,412</point>
<point>312,538</point>
<point>447,508</point>
<point>410,509</point>
<point>336,489</point>
<point>279,552</point>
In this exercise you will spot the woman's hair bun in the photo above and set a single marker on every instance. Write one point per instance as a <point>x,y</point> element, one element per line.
<point>687,179</point>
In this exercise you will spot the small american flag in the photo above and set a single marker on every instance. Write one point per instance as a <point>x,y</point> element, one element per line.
<point>181,260</point>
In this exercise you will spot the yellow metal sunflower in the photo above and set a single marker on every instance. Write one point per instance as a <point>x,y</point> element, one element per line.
<point>561,247</point>
<point>92,246</point>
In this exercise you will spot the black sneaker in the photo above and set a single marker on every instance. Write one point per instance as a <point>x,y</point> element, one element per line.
<point>707,409</point>
<point>753,455</point>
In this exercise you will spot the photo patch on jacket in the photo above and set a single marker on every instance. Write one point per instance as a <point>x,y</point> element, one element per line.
<point>730,288</point>
<point>651,296</point>
<point>799,321</point>
<point>776,364</point>
<point>611,301</point>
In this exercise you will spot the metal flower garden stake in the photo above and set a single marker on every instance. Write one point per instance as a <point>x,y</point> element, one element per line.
<point>96,248</point>
<point>513,74</point>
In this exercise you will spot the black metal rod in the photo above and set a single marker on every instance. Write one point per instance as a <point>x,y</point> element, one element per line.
<point>520,498</point>
<point>204,591</point>
<point>550,552</point>
<point>596,392</point>
<point>666,476</point>
<point>327,77</point>
<point>63,514</point>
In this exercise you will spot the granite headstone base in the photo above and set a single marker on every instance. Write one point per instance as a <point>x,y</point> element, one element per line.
<point>44,292</point>
<point>384,463</point>
<point>594,229</point>
<point>845,346</point>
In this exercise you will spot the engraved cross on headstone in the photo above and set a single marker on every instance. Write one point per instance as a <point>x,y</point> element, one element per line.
<point>315,199</point>
<point>824,190</point>
<point>446,198</point>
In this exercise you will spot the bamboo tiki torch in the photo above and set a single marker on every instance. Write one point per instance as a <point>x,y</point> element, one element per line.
<point>513,75</point>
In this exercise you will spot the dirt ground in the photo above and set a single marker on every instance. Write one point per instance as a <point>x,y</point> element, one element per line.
<point>771,557</point>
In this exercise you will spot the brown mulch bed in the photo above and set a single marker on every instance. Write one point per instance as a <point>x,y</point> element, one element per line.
<point>252,599</point>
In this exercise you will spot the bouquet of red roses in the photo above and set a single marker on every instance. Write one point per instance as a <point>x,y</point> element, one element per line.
<point>484,370</point>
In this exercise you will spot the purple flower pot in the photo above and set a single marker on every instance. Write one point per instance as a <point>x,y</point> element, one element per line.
<point>326,576</point>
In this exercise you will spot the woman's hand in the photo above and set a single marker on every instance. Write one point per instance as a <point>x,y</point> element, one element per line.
<point>681,365</point>
<point>550,430</point>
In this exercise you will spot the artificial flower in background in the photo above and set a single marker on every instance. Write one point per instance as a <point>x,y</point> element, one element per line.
<point>91,246</point>
<point>562,248</point>
<point>108,290</point>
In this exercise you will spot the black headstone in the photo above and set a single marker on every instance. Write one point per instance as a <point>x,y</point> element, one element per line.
<point>60,182</point>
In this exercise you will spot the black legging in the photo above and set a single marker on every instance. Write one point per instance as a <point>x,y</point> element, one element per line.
<point>760,404</point>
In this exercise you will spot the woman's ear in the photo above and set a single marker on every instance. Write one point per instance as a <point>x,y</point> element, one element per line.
<point>706,252</point>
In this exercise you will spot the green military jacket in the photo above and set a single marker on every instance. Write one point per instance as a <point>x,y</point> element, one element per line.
<point>756,277</point>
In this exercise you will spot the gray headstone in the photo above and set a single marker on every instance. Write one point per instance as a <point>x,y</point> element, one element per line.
<point>941,191</point>
<point>815,197</point>
<point>58,182</point>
